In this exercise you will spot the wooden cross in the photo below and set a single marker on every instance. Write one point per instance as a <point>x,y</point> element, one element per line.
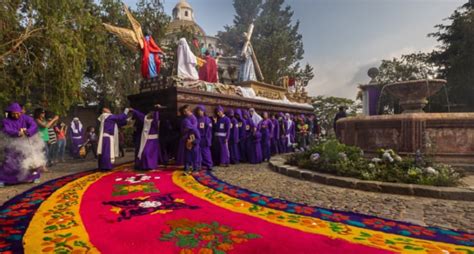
<point>247,44</point>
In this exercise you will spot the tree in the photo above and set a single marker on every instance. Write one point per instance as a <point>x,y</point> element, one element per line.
<point>47,67</point>
<point>455,56</point>
<point>326,108</point>
<point>276,41</point>
<point>231,38</point>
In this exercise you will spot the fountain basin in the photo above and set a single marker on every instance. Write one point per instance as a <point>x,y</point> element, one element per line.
<point>413,94</point>
<point>448,137</point>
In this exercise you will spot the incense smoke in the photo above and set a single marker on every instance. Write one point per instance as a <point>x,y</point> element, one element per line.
<point>29,153</point>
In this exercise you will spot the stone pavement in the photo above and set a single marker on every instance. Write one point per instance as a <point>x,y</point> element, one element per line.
<point>422,211</point>
<point>58,170</point>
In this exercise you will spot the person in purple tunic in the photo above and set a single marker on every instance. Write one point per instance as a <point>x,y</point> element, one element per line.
<point>108,146</point>
<point>254,145</point>
<point>265,127</point>
<point>241,123</point>
<point>283,145</point>
<point>233,138</point>
<point>24,154</point>
<point>291,131</point>
<point>187,115</point>
<point>77,137</point>
<point>248,134</point>
<point>192,153</point>
<point>149,153</point>
<point>275,135</point>
<point>221,138</point>
<point>205,131</point>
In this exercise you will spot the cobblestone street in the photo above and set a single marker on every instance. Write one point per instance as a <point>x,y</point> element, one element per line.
<point>423,211</point>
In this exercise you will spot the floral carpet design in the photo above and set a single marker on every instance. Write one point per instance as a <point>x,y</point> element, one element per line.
<point>106,212</point>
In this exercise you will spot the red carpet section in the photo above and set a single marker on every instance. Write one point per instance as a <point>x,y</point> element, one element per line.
<point>162,211</point>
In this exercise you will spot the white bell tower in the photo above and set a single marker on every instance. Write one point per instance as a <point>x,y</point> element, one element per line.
<point>183,11</point>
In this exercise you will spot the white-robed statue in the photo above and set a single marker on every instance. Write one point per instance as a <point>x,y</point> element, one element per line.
<point>187,61</point>
<point>247,68</point>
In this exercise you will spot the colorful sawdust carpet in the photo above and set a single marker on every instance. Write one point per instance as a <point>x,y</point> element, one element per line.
<point>165,212</point>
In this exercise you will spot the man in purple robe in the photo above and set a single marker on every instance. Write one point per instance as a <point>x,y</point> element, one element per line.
<point>283,145</point>
<point>221,138</point>
<point>291,131</point>
<point>187,115</point>
<point>205,131</point>
<point>275,135</point>
<point>241,123</point>
<point>148,155</point>
<point>192,153</point>
<point>265,127</point>
<point>108,146</point>
<point>77,137</point>
<point>254,146</point>
<point>21,142</point>
<point>233,138</point>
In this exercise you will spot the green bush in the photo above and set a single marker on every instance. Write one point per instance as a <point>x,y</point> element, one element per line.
<point>335,158</point>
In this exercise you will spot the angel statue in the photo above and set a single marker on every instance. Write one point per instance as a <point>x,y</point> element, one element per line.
<point>135,40</point>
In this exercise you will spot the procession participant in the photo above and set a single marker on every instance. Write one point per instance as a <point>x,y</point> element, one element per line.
<point>283,144</point>
<point>339,115</point>
<point>208,72</point>
<point>291,131</point>
<point>187,61</point>
<point>233,138</point>
<point>108,146</point>
<point>77,137</point>
<point>248,123</point>
<point>192,151</point>
<point>205,131</point>
<point>254,144</point>
<point>256,118</point>
<point>186,115</point>
<point>149,153</point>
<point>24,154</point>
<point>275,135</point>
<point>221,138</point>
<point>265,128</point>
<point>241,123</point>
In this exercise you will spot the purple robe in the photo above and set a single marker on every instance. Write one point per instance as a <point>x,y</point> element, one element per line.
<point>254,146</point>
<point>180,156</point>
<point>241,122</point>
<point>77,139</point>
<point>234,140</point>
<point>205,131</point>
<point>105,160</point>
<point>11,171</point>
<point>283,135</point>
<point>148,155</point>
<point>265,128</point>
<point>221,140</point>
<point>275,137</point>
<point>192,155</point>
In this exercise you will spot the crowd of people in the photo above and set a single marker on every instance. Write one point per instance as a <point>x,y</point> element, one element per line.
<point>231,137</point>
<point>201,141</point>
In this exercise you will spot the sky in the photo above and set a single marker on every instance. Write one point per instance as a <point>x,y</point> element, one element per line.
<point>344,38</point>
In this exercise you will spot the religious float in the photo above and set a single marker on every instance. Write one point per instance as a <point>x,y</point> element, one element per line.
<point>174,91</point>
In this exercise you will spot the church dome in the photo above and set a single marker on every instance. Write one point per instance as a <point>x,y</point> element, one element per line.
<point>177,25</point>
<point>183,4</point>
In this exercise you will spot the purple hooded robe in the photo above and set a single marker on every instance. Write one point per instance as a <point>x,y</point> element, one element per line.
<point>242,123</point>
<point>275,136</point>
<point>10,170</point>
<point>77,138</point>
<point>148,155</point>
<point>265,127</point>
<point>233,138</point>
<point>192,155</point>
<point>111,123</point>
<point>205,131</point>
<point>180,157</point>
<point>221,139</point>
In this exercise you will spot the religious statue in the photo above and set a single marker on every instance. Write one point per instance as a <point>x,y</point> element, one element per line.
<point>135,40</point>
<point>249,65</point>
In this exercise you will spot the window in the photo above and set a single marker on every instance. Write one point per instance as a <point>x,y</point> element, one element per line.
<point>186,13</point>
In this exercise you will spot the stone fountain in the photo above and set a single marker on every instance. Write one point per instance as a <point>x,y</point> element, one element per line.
<point>448,137</point>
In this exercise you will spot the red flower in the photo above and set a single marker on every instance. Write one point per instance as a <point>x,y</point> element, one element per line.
<point>379,223</point>
<point>418,230</point>
<point>305,210</point>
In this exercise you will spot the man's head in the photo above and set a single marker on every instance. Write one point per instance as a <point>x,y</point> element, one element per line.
<point>219,111</point>
<point>265,115</point>
<point>39,113</point>
<point>185,110</point>
<point>75,119</point>
<point>342,108</point>
<point>251,111</point>
<point>14,111</point>
<point>207,53</point>
<point>200,110</point>
<point>106,110</point>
